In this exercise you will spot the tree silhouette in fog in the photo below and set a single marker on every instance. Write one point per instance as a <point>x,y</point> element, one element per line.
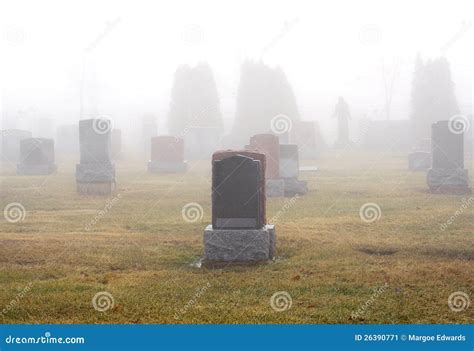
<point>194,100</point>
<point>432,96</point>
<point>263,93</point>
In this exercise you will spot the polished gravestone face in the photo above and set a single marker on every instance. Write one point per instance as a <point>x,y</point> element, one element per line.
<point>167,149</point>
<point>37,151</point>
<point>289,163</point>
<point>95,141</point>
<point>447,147</point>
<point>269,145</point>
<point>236,193</point>
<point>220,155</point>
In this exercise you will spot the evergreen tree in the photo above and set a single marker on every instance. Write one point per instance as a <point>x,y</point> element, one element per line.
<point>194,100</point>
<point>432,97</point>
<point>263,93</point>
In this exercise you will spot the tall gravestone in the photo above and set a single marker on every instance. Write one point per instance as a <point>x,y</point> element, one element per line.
<point>447,172</point>
<point>269,145</point>
<point>167,155</point>
<point>238,233</point>
<point>95,174</point>
<point>37,157</point>
<point>10,145</point>
<point>289,170</point>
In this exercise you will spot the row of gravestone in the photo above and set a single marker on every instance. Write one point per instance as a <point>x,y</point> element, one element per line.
<point>95,174</point>
<point>445,163</point>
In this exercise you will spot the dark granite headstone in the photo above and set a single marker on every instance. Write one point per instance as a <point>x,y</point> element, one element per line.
<point>236,193</point>
<point>220,155</point>
<point>37,157</point>
<point>447,147</point>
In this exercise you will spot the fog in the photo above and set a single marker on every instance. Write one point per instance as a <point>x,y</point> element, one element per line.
<point>128,52</point>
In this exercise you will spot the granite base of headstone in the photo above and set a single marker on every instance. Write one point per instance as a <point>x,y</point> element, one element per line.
<point>239,245</point>
<point>95,174</point>
<point>37,157</point>
<point>419,161</point>
<point>448,181</point>
<point>238,233</point>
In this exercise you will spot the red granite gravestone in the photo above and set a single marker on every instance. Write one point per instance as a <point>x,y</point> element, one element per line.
<point>167,155</point>
<point>220,155</point>
<point>269,145</point>
<point>167,149</point>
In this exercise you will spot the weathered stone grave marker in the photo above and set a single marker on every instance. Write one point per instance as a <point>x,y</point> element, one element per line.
<point>95,174</point>
<point>36,157</point>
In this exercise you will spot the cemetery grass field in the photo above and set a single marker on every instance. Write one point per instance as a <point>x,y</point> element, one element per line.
<point>337,268</point>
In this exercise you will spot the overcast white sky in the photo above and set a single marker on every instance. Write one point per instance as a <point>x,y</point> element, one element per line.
<point>327,49</point>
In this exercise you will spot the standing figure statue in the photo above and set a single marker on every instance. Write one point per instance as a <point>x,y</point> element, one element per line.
<point>343,116</point>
